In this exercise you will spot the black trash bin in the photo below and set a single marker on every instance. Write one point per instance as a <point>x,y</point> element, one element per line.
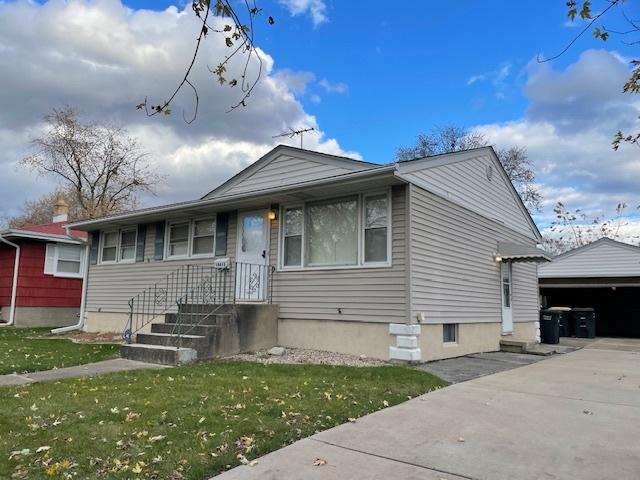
<point>550,326</point>
<point>565,319</point>
<point>584,321</point>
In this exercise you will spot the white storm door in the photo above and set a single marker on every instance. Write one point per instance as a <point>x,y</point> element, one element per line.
<point>252,256</point>
<point>506,288</point>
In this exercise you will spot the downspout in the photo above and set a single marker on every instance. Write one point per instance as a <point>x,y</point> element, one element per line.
<point>83,299</point>
<point>14,285</point>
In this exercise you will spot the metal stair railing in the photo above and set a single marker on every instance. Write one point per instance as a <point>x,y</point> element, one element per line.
<point>199,286</point>
<point>238,282</point>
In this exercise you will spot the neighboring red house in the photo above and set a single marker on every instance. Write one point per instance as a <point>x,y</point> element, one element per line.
<point>49,273</point>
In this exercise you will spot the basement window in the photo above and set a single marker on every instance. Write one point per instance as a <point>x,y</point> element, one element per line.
<point>450,333</point>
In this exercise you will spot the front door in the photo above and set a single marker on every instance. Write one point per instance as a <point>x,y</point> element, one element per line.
<point>505,283</point>
<point>252,256</point>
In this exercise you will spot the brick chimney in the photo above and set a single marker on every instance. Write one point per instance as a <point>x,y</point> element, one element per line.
<point>60,210</point>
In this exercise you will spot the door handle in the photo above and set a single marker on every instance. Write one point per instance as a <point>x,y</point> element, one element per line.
<point>264,254</point>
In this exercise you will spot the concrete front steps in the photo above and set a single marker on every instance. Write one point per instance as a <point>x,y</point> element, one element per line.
<point>201,332</point>
<point>158,354</point>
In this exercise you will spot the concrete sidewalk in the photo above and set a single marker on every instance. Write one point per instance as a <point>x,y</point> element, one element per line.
<point>87,370</point>
<point>571,416</point>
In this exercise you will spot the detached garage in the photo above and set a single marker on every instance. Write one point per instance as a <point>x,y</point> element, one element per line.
<point>604,275</point>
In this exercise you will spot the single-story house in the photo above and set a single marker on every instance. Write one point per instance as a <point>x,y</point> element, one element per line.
<point>420,260</point>
<point>41,268</point>
<point>604,275</point>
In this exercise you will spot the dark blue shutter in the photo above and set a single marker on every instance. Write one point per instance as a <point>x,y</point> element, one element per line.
<point>94,243</point>
<point>140,239</point>
<point>159,241</point>
<point>222,226</point>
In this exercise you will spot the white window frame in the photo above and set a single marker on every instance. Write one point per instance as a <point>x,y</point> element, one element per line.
<point>191,222</point>
<point>56,256</point>
<point>192,236</point>
<point>456,332</point>
<point>118,246</point>
<point>360,234</point>
<point>119,258</point>
<point>167,239</point>
<point>363,213</point>
<point>302,235</point>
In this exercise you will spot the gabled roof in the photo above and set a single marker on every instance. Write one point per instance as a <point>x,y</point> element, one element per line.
<point>440,160</point>
<point>600,241</point>
<point>328,159</point>
<point>383,173</point>
<point>285,184</point>
<point>603,258</point>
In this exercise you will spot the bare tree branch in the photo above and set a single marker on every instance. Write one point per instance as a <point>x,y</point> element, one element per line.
<point>103,167</point>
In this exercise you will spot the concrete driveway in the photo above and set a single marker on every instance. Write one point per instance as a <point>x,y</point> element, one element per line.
<point>571,416</point>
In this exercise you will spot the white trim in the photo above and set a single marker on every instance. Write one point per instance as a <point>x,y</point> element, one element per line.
<point>167,239</point>
<point>52,251</point>
<point>456,331</point>
<point>192,236</point>
<point>505,328</point>
<point>101,245</point>
<point>14,282</point>
<point>119,258</point>
<point>360,196</point>
<point>281,237</point>
<point>50,254</point>
<point>267,232</point>
<point>41,236</point>
<point>363,198</point>
<point>275,154</point>
<point>191,224</point>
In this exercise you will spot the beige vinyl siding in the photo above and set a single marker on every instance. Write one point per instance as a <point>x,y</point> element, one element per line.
<point>111,286</point>
<point>363,294</point>
<point>454,278</point>
<point>286,170</point>
<point>526,300</point>
<point>604,259</point>
<point>466,183</point>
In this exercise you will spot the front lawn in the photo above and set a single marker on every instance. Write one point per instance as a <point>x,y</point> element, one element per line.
<point>24,350</point>
<point>186,422</point>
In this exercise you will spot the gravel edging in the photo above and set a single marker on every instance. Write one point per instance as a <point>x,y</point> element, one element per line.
<point>304,356</point>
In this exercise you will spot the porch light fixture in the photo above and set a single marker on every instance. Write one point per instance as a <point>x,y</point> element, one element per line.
<point>497,257</point>
<point>272,215</point>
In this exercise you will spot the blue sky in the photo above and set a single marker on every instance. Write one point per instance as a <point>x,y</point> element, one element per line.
<point>368,77</point>
<point>406,69</point>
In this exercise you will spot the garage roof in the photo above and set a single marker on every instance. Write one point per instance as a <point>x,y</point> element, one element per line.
<point>604,258</point>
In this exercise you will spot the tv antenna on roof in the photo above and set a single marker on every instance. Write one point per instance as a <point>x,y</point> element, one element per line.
<point>292,133</point>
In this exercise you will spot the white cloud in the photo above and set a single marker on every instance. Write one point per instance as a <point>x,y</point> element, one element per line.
<point>497,78</point>
<point>316,9</point>
<point>568,129</point>
<point>329,87</point>
<point>104,58</point>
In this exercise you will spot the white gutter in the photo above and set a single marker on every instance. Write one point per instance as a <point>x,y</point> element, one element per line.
<point>43,236</point>
<point>83,299</point>
<point>14,285</point>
